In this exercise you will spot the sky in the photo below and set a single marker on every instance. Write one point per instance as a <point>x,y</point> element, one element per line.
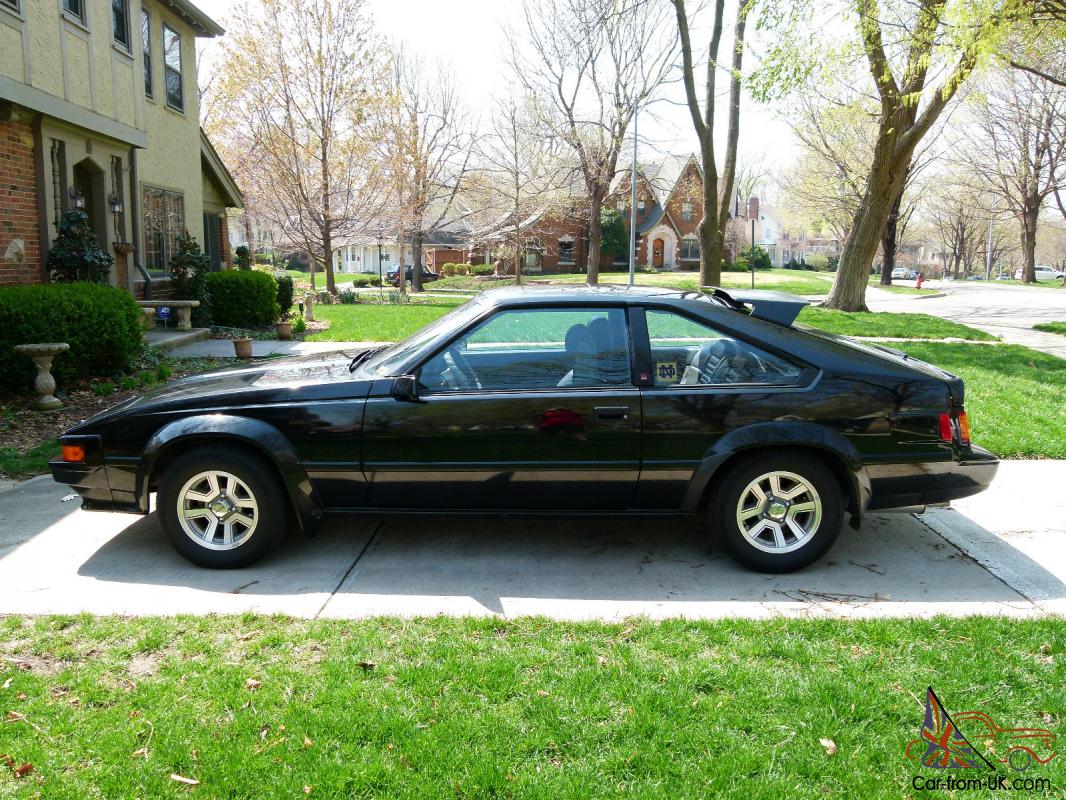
<point>468,35</point>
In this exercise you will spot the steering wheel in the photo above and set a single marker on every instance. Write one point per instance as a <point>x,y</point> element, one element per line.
<point>458,365</point>
<point>724,350</point>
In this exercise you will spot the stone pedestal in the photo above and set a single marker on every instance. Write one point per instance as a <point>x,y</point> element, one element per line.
<point>44,383</point>
<point>309,308</point>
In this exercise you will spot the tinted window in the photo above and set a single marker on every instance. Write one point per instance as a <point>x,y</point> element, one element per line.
<point>535,349</point>
<point>690,353</point>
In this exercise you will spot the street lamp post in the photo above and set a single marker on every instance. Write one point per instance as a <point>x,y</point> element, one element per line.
<point>752,252</point>
<point>381,278</point>
<point>633,208</point>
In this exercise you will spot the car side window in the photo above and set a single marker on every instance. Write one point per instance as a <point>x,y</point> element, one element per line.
<point>535,348</point>
<point>689,353</point>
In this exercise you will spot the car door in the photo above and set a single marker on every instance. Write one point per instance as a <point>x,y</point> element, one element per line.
<point>702,383</point>
<point>533,408</point>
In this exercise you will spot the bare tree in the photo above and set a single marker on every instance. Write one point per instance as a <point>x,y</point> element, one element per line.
<point>296,93</point>
<point>717,195</point>
<point>427,154</point>
<point>1018,149</point>
<point>590,65</point>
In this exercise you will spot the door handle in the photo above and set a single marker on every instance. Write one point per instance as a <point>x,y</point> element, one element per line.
<point>612,412</point>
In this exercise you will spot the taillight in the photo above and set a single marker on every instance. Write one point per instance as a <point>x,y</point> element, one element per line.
<point>945,427</point>
<point>964,427</point>
<point>73,453</point>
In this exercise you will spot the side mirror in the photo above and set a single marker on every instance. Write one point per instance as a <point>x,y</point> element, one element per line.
<point>405,388</point>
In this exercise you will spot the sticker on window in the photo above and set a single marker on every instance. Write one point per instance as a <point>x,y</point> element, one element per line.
<point>667,372</point>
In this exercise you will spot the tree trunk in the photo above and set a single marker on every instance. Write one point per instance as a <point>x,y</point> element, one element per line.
<point>401,268</point>
<point>710,234</point>
<point>327,255</point>
<point>1029,218</point>
<point>888,242</point>
<point>592,263</point>
<point>416,259</point>
<point>248,235</point>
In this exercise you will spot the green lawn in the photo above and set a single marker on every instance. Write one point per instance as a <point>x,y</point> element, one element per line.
<point>782,280</point>
<point>1051,327</point>
<point>901,289</point>
<point>366,322</point>
<point>1052,284</point>
<point>16,463</point>
<point>1015,396</point>
<point>889,324</point>
<point>265,707</point>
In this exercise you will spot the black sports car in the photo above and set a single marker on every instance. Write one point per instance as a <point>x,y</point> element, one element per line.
<point>552,401</point>
<point>392,275</point>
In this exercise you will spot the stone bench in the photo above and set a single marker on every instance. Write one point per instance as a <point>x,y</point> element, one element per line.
<point>182,309</point>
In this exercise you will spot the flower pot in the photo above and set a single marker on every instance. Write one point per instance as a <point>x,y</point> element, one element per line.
<point>243,348</point>
<point>284,330</point>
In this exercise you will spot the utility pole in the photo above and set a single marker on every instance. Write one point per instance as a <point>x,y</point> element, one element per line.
<point>752,253</point>
<point>633,207</point>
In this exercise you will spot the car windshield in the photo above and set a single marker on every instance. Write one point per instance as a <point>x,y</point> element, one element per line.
<point>390,360</point>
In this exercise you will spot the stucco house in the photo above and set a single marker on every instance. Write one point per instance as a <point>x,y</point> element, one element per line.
<point>99,110</point>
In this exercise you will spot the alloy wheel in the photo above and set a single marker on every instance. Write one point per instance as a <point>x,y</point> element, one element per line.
<point>217,510</point>
<point>779,511</point>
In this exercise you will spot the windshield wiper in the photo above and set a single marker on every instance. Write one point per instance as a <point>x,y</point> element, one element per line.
<point>363,356</point>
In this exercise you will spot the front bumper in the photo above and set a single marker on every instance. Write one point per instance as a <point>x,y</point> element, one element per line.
<point>94,483</point>
<point>927,483</point>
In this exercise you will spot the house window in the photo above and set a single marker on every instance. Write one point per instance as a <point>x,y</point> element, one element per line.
<point>10,4</point>
<point>75,8</point>
<point>566,251</point>
<point>533,258</point>
<point>164,220</point>
<point>120,22</point>
<point>687,212</point>
<point>640,207</point>
<point>690,249</point>
<point>146,51</point>
<point>172,68</point>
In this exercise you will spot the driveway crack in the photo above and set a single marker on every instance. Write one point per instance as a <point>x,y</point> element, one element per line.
<point>369,540</point>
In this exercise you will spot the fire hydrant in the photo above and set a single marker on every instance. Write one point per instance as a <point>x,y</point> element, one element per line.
<point>919,284</point>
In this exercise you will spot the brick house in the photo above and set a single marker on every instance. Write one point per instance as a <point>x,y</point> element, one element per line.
<point>99,110</point>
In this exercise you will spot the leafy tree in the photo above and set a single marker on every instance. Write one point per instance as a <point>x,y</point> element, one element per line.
<point>613,230</point>
<point>188,278</point>
<point>757,256</point>
<point>75,255</point>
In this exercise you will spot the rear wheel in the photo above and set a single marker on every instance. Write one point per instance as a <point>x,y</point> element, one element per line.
<point>777,513</point>
<point>222,508</point>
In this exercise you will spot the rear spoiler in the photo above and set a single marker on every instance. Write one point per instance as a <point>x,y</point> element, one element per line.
<point>777,307</point>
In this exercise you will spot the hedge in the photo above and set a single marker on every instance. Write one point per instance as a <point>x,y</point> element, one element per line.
<point>101,324</point>
<point>242,299</point>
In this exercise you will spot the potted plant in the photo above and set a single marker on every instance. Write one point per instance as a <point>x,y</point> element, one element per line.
<point>243,347</point>
<point>284,329</point>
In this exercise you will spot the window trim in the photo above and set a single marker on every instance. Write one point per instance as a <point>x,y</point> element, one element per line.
<point>126,47</point>
<point>147,51</point>
<point>805,380</point>
<point>12,6</point>
<point>681,249</point>
<point>420,362</point>
<point>180,71</point>
<point>80,18</point>
<point>165,269</point>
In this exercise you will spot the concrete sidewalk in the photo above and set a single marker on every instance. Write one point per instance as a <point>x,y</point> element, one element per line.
<point>1003,552</point>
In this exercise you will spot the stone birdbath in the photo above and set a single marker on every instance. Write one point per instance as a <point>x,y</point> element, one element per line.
<point>44,383</point>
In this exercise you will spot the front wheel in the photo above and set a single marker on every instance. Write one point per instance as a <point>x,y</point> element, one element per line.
<point>222,508</point>
<point>777,513</point>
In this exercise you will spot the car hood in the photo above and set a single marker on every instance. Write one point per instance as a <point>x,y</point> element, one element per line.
<point>315,377</point>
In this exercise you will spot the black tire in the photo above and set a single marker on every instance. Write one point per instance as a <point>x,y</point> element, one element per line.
<point>260,481</point>
<point>796,553</point>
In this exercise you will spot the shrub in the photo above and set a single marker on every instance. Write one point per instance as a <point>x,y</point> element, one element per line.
<point>75,256</point>
<point>299,325</point>
<point>189,268</point>
<point>147,377</point>
<point>101,324</point>
<point>243,299</point>
<point>102,388</point>
<point>285,292</point>
<point>817,262</point>
<point>163,373</point>
<point>244,258</point>
<point>832,262</point>
<point>483,269</point>
<point>361,281</point>
<point>448,270</point>
<point>348,297</point>
<point>760,257</point>
<point>462,269</point>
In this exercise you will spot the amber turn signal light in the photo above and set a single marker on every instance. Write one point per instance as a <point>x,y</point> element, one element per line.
<point>73,452</point>
<point>964,427</point>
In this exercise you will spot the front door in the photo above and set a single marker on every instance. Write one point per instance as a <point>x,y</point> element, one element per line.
<point>657,249</point>
<point>533,409</point>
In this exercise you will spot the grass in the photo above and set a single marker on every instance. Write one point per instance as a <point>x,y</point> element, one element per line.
<point>902,289</point>
<point>1015,396</point>
<point>1052,284</point>
<point>1051,327</point>
<point>269,707</point>
<point>889,324</point>
<point>366,322</point>
<point>17,464</point>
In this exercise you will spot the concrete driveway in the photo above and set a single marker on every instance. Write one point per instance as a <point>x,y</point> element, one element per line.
<point>990,556</point>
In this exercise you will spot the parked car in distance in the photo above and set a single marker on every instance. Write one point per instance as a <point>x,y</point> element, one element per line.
<point>975,277</point>
<point>904,274</point>
<point>1041,273</point>
<point>547,400</point>
<point>427,276</point>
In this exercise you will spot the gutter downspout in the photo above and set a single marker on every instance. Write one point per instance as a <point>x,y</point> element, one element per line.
<point>135,221</point>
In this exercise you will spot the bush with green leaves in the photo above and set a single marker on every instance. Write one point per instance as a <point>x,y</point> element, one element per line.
<point>614,238</point>
<point>286,288</point>
<point>462,269</point>
<point>448,270</point>
<point>757,255</point>
<point>189,268</point>
<point>243,258</point>
<point>101,324</point>
<point>348,297</point>
<point>243,299</point>
<point>817,262</point>
<point>483,269</point>
<point>76,255</point>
